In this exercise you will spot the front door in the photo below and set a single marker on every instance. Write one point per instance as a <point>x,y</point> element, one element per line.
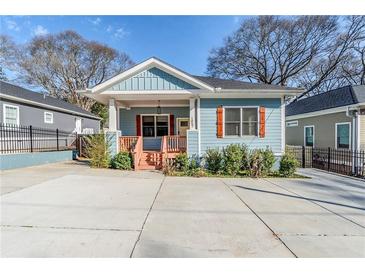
<point>182,126</point>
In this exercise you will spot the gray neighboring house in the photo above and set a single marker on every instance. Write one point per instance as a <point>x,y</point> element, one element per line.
<point>20,106</point>
<point>333,119</point>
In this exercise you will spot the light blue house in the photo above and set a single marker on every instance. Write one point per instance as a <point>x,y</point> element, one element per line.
<point>156,109</point>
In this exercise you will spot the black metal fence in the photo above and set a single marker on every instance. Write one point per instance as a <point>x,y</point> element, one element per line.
<point>18,139</point>
<point>342,161</point>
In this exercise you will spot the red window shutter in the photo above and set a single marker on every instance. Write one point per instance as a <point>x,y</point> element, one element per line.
<point>172,124</point>
<point>262,122</point>
<point>138,125</point>
<point>220,122</point>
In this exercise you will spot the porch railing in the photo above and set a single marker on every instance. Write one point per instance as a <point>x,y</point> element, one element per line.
<point>137,151</point>
<point>127,143</point>
<point>175,143</point>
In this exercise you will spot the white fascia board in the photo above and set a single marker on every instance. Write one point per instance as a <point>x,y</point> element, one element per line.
<point>152,92</point>
<point>261,91</point>
<point>152,62</point>
<point>242,94</point>
<point>17,99</point>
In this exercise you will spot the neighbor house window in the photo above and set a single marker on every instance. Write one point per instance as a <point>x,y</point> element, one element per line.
<point>241,121</point>
<point>48,117</point>
<point>343,135</point>
<point>155,125</point>
<point>10,114</point>
<point>309,136</point>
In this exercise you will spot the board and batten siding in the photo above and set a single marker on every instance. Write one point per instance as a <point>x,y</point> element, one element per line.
<point>152,79</point>
<point>208,126</point>
<point>324,129</point>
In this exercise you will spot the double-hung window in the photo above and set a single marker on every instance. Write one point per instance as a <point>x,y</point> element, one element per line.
<point>10,114</point>
<point>309,136</point>
<point>343,135</point>
<point>155,125</point>
<point>241,121</point>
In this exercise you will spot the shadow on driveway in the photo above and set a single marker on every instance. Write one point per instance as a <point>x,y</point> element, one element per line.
<point>301,198</point>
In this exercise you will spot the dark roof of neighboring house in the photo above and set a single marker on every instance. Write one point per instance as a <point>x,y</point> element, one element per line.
<point>22,93</point>
<point>236,84</point>
<point>339,97</point>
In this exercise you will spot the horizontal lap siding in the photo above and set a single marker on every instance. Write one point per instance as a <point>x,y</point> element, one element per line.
<point>208,125</point>
<point>362,132</point>
<point>127,118</point>
<point>193,139</point>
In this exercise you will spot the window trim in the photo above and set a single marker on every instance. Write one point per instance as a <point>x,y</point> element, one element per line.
<point>350,140</point>
<point>314,135</point>
<point>17,112</point>
<point>241,135</point>
<point>155,124</point>
<point>45,114</point>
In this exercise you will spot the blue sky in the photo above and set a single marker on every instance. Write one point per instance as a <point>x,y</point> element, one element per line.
<point>183,41</point>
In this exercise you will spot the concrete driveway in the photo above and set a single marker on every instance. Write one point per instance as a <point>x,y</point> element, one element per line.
<point>70,210</point>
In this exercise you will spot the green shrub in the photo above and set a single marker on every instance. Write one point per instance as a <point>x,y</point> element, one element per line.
<point>97,150</point>
<point>213,160</point>
<point>122,160</point>
<point>269,160</point>
<point>288,165</point>
<point>232,156</point>
<point>245,157</point>
<point>256,162</point>
<point>182,162</point>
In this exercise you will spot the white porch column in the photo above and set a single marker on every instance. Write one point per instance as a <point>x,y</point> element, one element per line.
<point>112,115</point>
<point>193,113</point>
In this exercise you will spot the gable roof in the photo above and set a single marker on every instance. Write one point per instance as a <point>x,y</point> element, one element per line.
<point>237,85</point>
<point>145,65</point>
<point>17,93</point>
<point>202,82</point>
<point>344,96</point>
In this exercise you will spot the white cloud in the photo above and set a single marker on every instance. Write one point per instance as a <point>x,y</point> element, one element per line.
<point>109,28</point>
<point>120,33</point>
<point>96,22</point>
<point>40,30</point>
<point>12,25</point>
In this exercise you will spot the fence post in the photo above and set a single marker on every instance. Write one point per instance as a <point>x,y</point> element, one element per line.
<point>31,138</point>
<point>58,147</point>
<point>329,159</point>
<point>303,156</point>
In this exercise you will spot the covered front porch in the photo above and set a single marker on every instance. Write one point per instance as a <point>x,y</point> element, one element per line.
<point>153,131</point>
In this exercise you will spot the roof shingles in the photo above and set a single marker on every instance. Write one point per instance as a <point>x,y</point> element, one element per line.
<point>22,93</point>
<point>343,96</point>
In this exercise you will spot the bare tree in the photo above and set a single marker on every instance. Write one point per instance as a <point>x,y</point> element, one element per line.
<point>65,62</point>
<point>300,50</point>
<point>353,69</point>
<point>7,48</point>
